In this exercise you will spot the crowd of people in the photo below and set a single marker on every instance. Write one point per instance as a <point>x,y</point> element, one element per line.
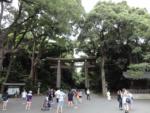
<point>74,97</point>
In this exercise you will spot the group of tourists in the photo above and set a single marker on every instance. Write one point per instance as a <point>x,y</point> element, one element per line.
<point>125,100</point>
<point>73,97</point>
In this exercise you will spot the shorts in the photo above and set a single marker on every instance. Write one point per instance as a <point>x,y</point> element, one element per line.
<point>60,103</point>
<point>70,99</point>
<point>29,102</point>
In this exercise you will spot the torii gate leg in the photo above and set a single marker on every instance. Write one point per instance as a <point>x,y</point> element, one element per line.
<point>58,81</point>
<point>86,75</point>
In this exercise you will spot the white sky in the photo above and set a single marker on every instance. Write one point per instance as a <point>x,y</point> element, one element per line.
<point>89,4</point>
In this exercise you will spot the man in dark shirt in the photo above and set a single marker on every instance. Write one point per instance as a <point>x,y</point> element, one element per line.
<point>5,100</point>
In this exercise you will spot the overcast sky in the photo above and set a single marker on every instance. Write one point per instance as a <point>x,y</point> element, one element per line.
<point>89,4</point>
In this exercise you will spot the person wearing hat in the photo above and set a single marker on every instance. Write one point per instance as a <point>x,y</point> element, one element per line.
<point>29,100</point>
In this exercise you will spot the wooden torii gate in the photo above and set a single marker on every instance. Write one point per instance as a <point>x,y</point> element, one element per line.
<point>59,66</point>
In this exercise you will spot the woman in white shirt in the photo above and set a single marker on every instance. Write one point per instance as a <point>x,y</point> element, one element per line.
<point>61,96</point>
<point>125,101</point>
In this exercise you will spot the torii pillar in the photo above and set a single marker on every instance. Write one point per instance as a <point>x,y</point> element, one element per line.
<point>58,79</point>
<point>86,75</point>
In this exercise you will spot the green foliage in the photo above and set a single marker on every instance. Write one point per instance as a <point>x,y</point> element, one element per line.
<point>137,50</point>
<point>31,86</point>
<point>109,21</point>
<point>135,74</point>
<point>115,31</point>
<point>147,57</point>
<point>140,67</point>
<point>118,33</point>
<point>78,77</point>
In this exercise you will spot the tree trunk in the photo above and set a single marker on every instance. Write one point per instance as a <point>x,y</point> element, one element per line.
<point>104,85</point>
<point>31,69</point>
<point>1,14</point>
<point>32,75</point>
<point>1,58</point>
<point>1,37</point>
<point>7,73</point>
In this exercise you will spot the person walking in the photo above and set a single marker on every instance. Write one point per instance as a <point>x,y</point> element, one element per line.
<point>129,99</point>
<point>125,101</point>
<point>50,97</point>
<point>70,98</point>
<point>88,94</point>
<point>57,95</point>
<point>80,96</point>
<point>24,96</point>
<point>60,104</point>
<point>108,95</point>
<point>119,98</point>
<point>46,104</point>
<point>5,100</point>
<point>29,100</point>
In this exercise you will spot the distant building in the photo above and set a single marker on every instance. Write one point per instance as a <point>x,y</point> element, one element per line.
<point>138,84</point>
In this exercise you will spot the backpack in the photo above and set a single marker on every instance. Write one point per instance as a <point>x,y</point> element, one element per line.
<point>128,100</point>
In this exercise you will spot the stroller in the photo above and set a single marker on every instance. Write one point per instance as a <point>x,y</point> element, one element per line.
<point>46,104</point>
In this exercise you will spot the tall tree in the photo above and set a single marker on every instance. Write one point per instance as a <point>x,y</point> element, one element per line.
<point>2,34</point>
<point>108,24</point>
<point>52,20</point>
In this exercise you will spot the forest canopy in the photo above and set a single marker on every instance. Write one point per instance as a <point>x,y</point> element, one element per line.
<point>117,35</point>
